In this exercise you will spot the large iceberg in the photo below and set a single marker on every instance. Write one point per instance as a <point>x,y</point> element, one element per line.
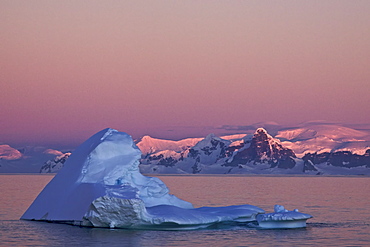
<point>100,185</point>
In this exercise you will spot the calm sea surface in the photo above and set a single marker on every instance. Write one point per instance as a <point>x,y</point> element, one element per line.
<point>340,206</point>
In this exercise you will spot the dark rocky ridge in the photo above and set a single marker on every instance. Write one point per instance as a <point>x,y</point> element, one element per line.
<point>265,149</point>
<point>54,165</point>
<point>339,159</point>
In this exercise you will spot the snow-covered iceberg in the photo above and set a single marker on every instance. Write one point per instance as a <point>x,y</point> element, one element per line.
<point>283,218</point>
<point>100,185</point>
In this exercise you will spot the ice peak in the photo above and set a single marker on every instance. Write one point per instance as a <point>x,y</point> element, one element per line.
<point>108,132</point>
<point>147,137</point>
<point>211,136</point>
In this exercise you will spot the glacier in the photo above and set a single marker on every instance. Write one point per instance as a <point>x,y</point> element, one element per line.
<point>100,185</point>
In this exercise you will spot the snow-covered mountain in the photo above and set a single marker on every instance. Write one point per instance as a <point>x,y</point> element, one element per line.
<point>313,138</point>
<point>26,159</point>
<point>264,148</point>
<point>261,153</point>
<point>54,165</point>
<point>238,154</point>
<point>9,153</point>
<point>207,151</point>
<point>344,159</point>
<point>149,145</point>
<point>311,148</point>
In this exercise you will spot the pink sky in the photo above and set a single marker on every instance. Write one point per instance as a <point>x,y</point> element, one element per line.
<point>72,68</point>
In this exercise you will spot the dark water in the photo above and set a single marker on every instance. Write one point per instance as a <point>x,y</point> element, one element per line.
<point>340,206</point>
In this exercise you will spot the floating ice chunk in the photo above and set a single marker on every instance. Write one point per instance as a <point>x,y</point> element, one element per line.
<point>282,218</point>
<point>132,213</point>
<point>100,185</point>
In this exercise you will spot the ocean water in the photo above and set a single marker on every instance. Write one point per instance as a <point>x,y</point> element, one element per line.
<point>340,206</point>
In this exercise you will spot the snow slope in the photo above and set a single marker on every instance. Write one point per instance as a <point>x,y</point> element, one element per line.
<point>9,153</point>
<point>312,138</point>
<point>149,145</point>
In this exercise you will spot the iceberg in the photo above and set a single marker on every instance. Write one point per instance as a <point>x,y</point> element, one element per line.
<point>100,185</point>
<point>283,218</point>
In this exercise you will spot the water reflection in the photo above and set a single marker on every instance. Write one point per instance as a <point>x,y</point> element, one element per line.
<point>339,205</point>
<point>47,234</point>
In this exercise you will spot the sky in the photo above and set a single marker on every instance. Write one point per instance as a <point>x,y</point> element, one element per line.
<point>172,68</point>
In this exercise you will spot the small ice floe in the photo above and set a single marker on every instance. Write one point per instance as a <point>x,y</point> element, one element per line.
<point>282,218</point>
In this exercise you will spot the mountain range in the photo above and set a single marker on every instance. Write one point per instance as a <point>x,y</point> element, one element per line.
<point>26,159</point>
<point>291,151</point>
<point>313,148</point>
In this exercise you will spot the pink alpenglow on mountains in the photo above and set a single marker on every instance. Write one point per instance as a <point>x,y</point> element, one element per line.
<point>9,153</point>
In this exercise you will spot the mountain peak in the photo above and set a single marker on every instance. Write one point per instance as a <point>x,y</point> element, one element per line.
<point>211,140</point>
<point>9,153</point>
<point>210,136</point>
<point>265,149</point>
<point>261,132</point>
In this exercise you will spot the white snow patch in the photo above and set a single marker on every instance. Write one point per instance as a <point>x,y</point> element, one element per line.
<point>9,153</point>
<point>53,151</point>
<point>149,145</point>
